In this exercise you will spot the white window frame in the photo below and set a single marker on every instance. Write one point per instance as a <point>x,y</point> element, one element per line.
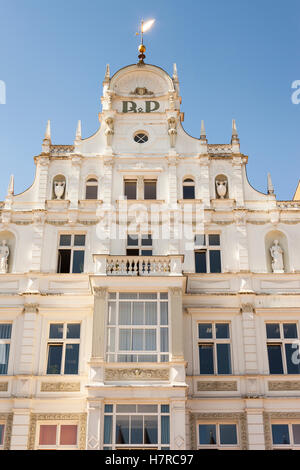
<point>214,341</point>
<point>58,424</point>
<point>139,245</point>
<point>7,341</point>
<point>282,341</point>
<point>63,341</point>
<point>71,247</point>
<point>218,445</point>
<point>291,445</point>
<point>207,248</point>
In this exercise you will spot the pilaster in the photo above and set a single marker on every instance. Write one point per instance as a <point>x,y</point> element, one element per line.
<point>99,321</point>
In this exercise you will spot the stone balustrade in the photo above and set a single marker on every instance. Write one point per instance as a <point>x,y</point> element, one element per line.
<point>119,265</point>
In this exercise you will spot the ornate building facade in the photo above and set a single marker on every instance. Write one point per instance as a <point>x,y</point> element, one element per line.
<point>149,294</point>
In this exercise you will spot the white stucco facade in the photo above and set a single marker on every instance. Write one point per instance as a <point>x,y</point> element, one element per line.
<point>161,360</point>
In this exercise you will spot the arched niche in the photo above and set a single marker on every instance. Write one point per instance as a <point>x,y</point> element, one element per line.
<point>221,187</point>
<point>10,239</point>
<point>59,187</point>
<point>283,243</point>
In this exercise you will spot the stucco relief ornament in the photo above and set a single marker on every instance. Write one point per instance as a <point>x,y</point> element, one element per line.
<point>172,131</point>
<point>4,254</point>
<point>221,188</point>
<point>109,131</point>
<point>277,257</point>
<point>59,188</point>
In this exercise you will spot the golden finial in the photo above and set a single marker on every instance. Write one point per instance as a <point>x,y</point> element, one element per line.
<point>142,49</point>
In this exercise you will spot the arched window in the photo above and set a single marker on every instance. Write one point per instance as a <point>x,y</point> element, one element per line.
<point>91,189</point>
<point>188,188</point>
<point>59,187</point>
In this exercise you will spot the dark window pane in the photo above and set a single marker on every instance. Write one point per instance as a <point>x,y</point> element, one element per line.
<point>4,355</point>
<point>215,261</point>
<point>206,359</point>
<point>1,434</point>
<point>290,330</point>
<point>273,330</point>
<point>200,262</point>
<point>296,433</point>
<point>5,330</point>
<point>164,313</point>
<point>205,330</point>
<point>122,429</point>
<point>228,434</point>
<point>136,430</point>
<point>165,409</point>
<point>214,240</point>
<point>78,261</point>
<point>200,240</point>
<point>73,330</point>
<point>64,261</point>
<point>54,359</point>
<point>130,189</point>
<point>91,192</point>
<point>132,252</point>
<point>146,240</point>
<point>132,240</point>
<point>207,434</point>
<point>292,358</point>
<point>79,240</point>
<point>71,361</point>
<point>280,434</point>
<point>165,429</point>
<point>222,330</point>
<point>150,429</point>
<point>146,253</point>
<point>108,408</point>
<point>188,192</point>
<point>56,330</point>
<point>65,240</point>
<point>149,189</point>
<point>224,359</point>
<point>275,359</point>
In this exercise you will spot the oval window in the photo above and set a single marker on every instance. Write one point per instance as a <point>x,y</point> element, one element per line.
<point>140,138</point>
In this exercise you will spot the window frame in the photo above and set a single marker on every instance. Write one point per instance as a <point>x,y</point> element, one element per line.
<point>188,181</point>
<point>72,248</point>
<point>214,341</point>
<point>58,424</point>
<point>130,180</point>
<point>290,424</point>
<point>91,181</point>
<point>218,444</point>
<point>153,181</point>
<point>7,341</point>
<point>2,444</point>
<point>139,246</point>
<point>281,341</point>
<point>63,342</point>
<point>198,248</point>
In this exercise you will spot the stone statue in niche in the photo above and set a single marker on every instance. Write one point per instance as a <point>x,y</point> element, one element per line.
<point>59,189</point>
<point>277,257</point>
<point>172,131</point>
<point>109,131</point>
<point>221,187</point>
<point>4,254</point>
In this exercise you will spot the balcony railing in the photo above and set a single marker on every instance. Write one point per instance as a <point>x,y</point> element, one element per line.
<point>138,265</point>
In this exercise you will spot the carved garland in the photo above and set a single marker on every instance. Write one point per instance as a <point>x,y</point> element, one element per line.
<point>35,417</point>
<point>241,419</point>
<point>8,419</point>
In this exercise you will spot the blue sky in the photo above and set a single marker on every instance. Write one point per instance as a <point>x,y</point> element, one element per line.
<point>235,59</point>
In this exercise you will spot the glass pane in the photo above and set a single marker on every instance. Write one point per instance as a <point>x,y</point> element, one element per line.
<point>71,361</point>
<point>4,355</point>
<point>222,330</point>
<point>200,240</point>
<point>147,295</point>
<point>136,430</point>
<point>112,295</point>
<point>207,434</point>
<point>224,360</point>
<point>132,240</point>
<point>214,240</point>
<point>292,358</point>
<point>108,408</point>
<point>125,340</point>
<point>56,330</point>
<point>128,295</point>
<point>205,330</point>
<point>147,358</point>
<point>47,435</point>
<point>150,339</point>
<point>122,429</point>
<point>164,313</point>
<point>65,240</point>
<point>79,240</point>
<point>146,253</point>
<point>164,295</point>
<point>200,262</point>
<point>130,189</point>
<point>273,330</point>
<point>146,240</point>
<point>165,409</point>
<point>206,359</point>
<point>54,359</point>
<point>228,434</point>
<point>73,330</point>
<point>91,192</point>
<point>296,433</point>
<point>138,313</point>
<point>165,429</point>
<point>64,261</point>
<point>215,261</point>
<point>290,330</point>
<point>150,429</point>
<point>78,261</point>
<point>188,192</point>
<point>164,340</point>
<point>275,359</point>
<point>68,434</point>
<point>147,408</point>
<point>137,340</point>
<point>280,434</point>
<point>149,189</point>
<point>5,330</point>
<point>150,313</point>
<point>125,313</point>
<point>111,340</point>
<point>107,439</point>
<point>126,408</point>
<point>1,434</point>
<point>111,313</point>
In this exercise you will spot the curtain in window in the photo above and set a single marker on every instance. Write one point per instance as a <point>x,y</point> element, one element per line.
<point>107,430</point>
<point>165,429</point>
<point>164,340</point>
<point>68,434</point>
<point>5,331</point>
<point>4,353</point>
<point>125,340</point>
<point>150,336</point>
<point>125,313</point>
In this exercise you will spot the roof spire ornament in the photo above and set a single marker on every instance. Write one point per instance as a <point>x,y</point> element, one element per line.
<point>142,49</point>
<point>235,141</point>
<point>47,139</point>
<point>10,190</point>
<point>78,131</point>
<point>175,73</point>
<point>107,73</point>
<point>202,132</point>
<point>270,185</point>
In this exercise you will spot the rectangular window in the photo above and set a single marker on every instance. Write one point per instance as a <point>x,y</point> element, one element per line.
<point>217,435</point>
<point>57,436</point>
<point>63,348</point>
<point>71,253</point>
<point>2,428</point>
<point>207,253</point>
<point>286,435</point>
<point>130,189</point>
<point>138,328</point>
<point>149,189</point>
<point>136,426</point>
<point>5,337</point>
<point>283,348</point>
<point>139,245</point>
<point>214,348</point>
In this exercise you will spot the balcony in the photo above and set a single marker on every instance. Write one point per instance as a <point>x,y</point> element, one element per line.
<point>106,265</point>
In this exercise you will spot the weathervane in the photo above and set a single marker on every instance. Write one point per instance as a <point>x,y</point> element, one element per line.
<point>144,27</point>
